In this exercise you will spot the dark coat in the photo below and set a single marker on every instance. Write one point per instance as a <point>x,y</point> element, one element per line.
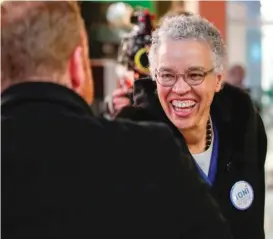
<point>242,150</point>
<point>67,174</point>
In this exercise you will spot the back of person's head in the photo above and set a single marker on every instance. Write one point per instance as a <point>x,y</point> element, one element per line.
<point>45,41</point>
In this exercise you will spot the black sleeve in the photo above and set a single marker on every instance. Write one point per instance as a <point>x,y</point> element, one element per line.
<point>262,150</point>
<point>256,172</point>
<point>195,213</point>
<point>262,140</point>
<point>257,137</point>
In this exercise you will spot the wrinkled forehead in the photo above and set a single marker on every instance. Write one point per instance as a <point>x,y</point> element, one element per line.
<point>184,54</point>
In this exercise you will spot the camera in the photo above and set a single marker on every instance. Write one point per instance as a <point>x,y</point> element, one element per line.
<point>135,45</point>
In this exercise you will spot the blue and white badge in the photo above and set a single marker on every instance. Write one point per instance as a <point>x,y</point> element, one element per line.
<point>241,195</point>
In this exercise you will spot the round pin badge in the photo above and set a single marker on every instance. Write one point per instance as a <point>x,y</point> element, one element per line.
<point>241,195</point>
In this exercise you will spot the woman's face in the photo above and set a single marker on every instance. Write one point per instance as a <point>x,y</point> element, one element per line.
<point>185,105</point>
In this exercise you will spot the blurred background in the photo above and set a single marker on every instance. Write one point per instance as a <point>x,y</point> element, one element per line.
<point>246,26</point>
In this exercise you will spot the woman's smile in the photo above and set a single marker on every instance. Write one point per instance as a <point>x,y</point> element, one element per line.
<point>183,108</point>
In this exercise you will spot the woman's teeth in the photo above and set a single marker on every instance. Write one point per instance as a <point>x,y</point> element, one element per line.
<point>183,104</point>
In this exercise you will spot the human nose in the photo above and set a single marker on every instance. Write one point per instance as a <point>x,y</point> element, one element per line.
<point>181,87</point>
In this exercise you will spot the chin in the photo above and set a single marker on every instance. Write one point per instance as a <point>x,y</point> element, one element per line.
<point>183,118</point>
<point>182,124</point>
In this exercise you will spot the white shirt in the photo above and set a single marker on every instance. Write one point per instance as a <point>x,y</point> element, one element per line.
<point>204,159</point>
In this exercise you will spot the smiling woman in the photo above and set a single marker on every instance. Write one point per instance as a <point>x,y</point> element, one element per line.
<point>195,52</point>
<point>216,124</point>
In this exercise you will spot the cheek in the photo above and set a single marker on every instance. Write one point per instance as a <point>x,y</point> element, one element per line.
<point>206,94</point>
<point>163,93</point>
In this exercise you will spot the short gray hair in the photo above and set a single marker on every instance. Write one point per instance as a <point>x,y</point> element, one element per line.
<point>189,27</point>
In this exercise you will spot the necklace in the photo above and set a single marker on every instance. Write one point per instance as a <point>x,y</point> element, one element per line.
<point>208,135</point>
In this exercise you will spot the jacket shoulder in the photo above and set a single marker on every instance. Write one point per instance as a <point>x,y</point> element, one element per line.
<point>236,94</point>
<point>236,106</point>
<point>137,114</point>
<point>144,130</point>
<point>234,103</point>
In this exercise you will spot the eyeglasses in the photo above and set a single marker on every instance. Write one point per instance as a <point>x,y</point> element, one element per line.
<point>192,77</point>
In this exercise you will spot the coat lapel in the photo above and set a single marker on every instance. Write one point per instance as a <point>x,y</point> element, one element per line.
<point>221,117</point>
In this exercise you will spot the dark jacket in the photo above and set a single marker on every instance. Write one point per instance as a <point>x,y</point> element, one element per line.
<point>67,174</point>
<point>242,150</point>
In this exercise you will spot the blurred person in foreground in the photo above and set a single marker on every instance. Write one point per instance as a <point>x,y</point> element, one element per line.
<point>217,124</point>
<point>67,174</point>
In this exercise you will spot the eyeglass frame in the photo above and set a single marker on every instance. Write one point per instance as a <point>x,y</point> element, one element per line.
<point>184,76</point>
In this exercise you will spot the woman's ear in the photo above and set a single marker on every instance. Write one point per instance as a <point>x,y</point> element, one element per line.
<point>219,82</point>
